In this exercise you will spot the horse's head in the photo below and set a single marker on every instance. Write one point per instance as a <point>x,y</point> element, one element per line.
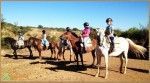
<point>9,40</point>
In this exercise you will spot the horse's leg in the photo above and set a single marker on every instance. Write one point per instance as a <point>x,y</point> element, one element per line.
<point>98,64</point>
<point>121,64</point>
<point>59,53</point>
<point>81,56</point>
<point>126,61</point>
<point>55,54</point>
<point>63,53</point>
<point>106,63</point>
<point>39,50</point>
<point>51,53</point>
<point>93,55</point>
<point>70,54</point>
<point>77,58</point>
<point>15,54</point>
<point>31,54</point>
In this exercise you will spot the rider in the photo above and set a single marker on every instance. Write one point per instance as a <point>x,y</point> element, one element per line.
<point>67,42</point>
<point>20,41</point>
<point>44,40</point>
<point>64,41</point>
<point>109,33</point>
<point>85,35</point>
<point>68,29</point>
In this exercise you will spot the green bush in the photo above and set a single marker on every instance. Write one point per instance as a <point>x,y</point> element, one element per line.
<point>52,38</point>
<point>75,29</point>
<point>24,29</point>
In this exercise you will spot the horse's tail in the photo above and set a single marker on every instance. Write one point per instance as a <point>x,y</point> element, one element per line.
<point>137,49</point>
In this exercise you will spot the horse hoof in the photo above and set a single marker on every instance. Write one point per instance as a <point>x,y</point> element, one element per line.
<point>15,58</point>
<point>124,73</point>
<point>31,57</point>
<point>105,77</point>
<point>96,75</point>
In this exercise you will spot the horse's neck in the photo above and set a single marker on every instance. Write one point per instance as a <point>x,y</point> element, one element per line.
<point>106,42</point>
<point>73,40</point>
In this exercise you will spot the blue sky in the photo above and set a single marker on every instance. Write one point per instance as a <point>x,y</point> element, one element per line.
<point>74,14</point>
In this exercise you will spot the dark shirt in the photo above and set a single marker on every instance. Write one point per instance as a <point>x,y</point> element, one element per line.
<point>108,30</point>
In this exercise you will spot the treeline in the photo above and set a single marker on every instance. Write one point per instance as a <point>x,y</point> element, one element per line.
<point>139,36</point>
<point>56,28</point>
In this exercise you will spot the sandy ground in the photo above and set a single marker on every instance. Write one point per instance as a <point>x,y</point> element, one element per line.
<point>48,69</point>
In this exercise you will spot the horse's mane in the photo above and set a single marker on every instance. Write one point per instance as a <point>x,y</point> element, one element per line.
<point>74,34</point>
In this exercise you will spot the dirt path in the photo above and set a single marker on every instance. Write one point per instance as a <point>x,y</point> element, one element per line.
<point>50,69</point>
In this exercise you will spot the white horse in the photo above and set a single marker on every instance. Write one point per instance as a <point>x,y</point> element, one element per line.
<point>122,45</point>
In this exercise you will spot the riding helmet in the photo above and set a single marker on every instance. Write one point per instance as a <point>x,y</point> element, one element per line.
<point>68,29</point>
<point>108,19</point>
<point>86,24</point>
<point>43,31</point>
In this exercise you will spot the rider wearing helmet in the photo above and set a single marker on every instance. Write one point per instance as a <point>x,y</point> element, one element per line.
<point>85,35</point>
<point>44,40</point>
<point>20,41</point>
<point>109,33</point>
<point>68,29</point>
<point>20,36</point>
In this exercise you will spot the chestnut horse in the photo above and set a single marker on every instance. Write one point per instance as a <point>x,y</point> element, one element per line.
<point>37,44</point>
<point>76,46</point>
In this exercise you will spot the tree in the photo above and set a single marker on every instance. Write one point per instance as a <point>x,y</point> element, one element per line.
<point>40,26</point>
<point>75,29</point>
<point>3,23</point>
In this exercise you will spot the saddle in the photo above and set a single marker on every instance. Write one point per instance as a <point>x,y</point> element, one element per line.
<point>111,46</point>
<point>20,43</point>
<point>88,43</point>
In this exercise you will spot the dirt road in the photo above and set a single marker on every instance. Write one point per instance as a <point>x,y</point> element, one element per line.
<point>50,69</point>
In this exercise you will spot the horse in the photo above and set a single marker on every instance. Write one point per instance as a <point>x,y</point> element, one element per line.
<point>63,46</point>
<point>75,41</point>
<point>53,46</point>
<point>122,45</point>
<point>15,47</point>
<point>37,44</point>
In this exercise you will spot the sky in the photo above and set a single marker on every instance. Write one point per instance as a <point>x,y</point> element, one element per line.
<point>73,14</point>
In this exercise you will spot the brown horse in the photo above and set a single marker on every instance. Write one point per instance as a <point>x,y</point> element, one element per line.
<point>37,44</point>
<point>76,46</point>
<point>15,47</point>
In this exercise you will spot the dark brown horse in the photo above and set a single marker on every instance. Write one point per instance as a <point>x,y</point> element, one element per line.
<point>76,46</point>
<point>15,47</point>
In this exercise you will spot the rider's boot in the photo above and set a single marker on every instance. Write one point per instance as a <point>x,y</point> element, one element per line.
<point>84,50</point>
<point>111,45</point>
<point>44,47</point>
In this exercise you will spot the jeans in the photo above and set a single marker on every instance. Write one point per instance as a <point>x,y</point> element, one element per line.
<point>45,42</point>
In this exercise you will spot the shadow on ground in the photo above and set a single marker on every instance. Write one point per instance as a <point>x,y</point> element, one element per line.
<point>139,70</point>
<point>27,57</point>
